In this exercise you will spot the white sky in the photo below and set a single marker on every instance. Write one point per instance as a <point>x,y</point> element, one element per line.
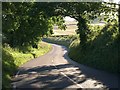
<point>67,18</point>
<point>115,1</point>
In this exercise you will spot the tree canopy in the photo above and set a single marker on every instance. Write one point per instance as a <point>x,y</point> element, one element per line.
<point>25,23</point>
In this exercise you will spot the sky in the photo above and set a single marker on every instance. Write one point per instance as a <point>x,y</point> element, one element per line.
<point>115,1</point>
<point>67,18</point>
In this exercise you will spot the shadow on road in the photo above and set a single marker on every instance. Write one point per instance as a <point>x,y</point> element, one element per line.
<point>48,77</point>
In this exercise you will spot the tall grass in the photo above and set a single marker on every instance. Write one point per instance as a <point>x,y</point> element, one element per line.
<point>13,58</point>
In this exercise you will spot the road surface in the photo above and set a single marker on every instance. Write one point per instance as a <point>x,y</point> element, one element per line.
<point>56,70</point>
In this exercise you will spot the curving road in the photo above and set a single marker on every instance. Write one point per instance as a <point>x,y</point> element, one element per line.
<point>56,70</point>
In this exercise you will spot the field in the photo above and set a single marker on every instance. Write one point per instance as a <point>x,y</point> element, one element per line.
<point>70,30</point>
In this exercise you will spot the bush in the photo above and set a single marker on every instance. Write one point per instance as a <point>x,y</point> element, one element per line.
<point>101,50</point>
<point>8,67</point>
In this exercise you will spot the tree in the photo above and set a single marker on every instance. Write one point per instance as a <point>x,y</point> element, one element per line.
<point>26,23</point>
<point>82,12</point>
<point>112,14</point>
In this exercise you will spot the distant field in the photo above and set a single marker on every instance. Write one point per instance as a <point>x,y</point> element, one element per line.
<point>70,30</point>
<point>71,27</point>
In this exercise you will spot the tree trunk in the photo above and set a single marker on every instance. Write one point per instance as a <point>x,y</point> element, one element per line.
<point>82,30</point>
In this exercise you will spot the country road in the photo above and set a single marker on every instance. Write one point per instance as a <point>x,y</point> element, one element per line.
<point>56,70</point>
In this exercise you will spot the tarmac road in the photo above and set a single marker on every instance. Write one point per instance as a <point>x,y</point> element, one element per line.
<point>57,71</point>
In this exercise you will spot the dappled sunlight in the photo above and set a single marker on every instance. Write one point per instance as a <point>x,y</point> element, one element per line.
<point>46,76</point>
<point>38,65</point>
<point>53,77</point>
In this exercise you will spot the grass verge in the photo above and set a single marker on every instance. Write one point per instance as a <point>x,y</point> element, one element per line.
<point>65,40</point>
<point>13,58</point>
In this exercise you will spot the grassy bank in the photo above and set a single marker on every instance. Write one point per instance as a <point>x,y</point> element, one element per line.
<point>13,58</point>
<point>101,50</point>
<point>65,40</point>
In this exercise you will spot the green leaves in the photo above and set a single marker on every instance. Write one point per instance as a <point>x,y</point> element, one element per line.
<point>26,23</point>
<point>59,21</point>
